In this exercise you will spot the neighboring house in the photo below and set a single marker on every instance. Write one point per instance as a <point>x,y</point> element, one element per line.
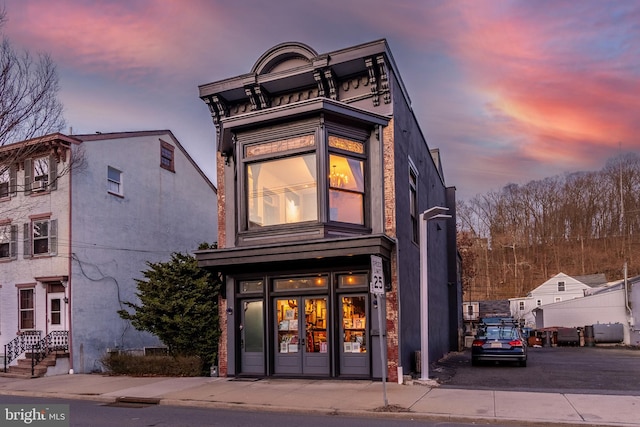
<point>560,287</point>
<point>322,165</point>
<point>474,311</point>
<point>616,303</point>
<point>80,216</point>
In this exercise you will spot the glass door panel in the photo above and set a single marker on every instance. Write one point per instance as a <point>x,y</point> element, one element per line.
<point>316,359</point>
<point>354,357</point>
<point>252,337</point>
<point>288,346</point>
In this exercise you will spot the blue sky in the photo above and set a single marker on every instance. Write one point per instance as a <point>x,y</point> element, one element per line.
<point>509,91</point>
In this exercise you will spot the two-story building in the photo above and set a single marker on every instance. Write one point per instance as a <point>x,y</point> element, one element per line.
<point>80,215</point>
<point>322,165</point>
<point>560,287</point>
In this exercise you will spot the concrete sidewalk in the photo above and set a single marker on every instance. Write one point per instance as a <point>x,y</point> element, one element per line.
<point>364,398</point>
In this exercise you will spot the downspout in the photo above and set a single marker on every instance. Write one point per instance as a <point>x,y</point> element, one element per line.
<point>70,252</point>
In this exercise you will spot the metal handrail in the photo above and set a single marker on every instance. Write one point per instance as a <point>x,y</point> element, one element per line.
<point>54,341</point>
<point>19,345</point>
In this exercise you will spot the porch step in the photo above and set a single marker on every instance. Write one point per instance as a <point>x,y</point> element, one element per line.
<point>23,367</point>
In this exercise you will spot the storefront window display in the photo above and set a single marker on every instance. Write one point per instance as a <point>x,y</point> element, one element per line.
<point>354,324</point>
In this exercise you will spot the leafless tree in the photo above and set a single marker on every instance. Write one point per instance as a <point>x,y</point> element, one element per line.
<point>580,223</point>
<point>29,109</point>
<point>29,86</point>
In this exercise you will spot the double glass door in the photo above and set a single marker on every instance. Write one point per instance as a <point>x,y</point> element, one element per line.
<point>301,336</point>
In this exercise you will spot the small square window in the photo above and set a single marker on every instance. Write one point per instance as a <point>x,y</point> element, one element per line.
<point>114,181</point>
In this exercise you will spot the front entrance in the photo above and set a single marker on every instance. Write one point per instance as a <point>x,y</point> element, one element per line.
<point>252,337</point>
<point>56,312</point>
<point>301,338</point>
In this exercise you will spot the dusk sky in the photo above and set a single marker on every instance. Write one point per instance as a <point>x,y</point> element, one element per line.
<point>509,91</point>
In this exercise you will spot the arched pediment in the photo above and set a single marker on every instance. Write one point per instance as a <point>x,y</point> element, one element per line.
<point>284,56</point>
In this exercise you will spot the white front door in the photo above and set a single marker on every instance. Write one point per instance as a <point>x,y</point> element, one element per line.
<point>56,310</point>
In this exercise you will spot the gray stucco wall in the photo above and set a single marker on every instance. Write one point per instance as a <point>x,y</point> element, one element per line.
<point>113,237</point>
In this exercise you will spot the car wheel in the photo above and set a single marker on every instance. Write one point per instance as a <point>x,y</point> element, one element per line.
<point>475,362</point>
<point>523,363</point>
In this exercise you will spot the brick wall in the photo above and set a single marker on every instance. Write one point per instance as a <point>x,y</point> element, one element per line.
<point>222,304</point>
<point>390,229</point>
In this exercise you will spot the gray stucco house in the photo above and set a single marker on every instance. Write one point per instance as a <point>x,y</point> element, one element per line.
<point>80,215</point>
<point>322,165</point>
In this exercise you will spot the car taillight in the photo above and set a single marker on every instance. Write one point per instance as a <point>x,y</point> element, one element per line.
<point>515,343</point>
<point>478,343</point>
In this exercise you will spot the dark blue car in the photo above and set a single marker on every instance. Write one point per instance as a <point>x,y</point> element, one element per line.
<point>499,343</point>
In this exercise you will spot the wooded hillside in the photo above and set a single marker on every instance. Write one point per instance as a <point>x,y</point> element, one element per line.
<point>581,223</point>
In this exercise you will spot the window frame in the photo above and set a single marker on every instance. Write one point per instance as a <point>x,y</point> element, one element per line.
<point>30,177</point>
<point>287,152</point>
<point>12,243</point>
<point>562,287</point>
<point>348,154</point>
<point>5,181</point>
<point>167,156</point>
<point>413,203</point>
<point>32,291</point>
<point>521,305</point>
<point>111,181</point>
<point>245,142</point>
<point>29,238</point>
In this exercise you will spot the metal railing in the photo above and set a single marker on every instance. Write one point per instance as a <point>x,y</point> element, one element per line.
<point>20,345</point>
<point>55,341</point>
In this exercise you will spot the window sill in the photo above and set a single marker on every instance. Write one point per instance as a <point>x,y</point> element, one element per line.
<point>116,194</point>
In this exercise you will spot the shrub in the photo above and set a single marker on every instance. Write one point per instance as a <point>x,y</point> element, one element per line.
<point>140,366</point>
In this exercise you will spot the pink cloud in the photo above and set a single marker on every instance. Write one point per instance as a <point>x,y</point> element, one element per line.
<point>123,40</point>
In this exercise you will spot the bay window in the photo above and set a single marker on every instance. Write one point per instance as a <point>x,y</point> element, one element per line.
<point>281,184</point>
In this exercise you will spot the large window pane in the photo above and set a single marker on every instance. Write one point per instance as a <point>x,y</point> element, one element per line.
<point>346,189</point>
<point>282,191</point>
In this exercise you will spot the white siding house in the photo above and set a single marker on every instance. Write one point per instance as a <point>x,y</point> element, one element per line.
<point>613,304</point>
<point>77,240</point>
<point>560,287</point>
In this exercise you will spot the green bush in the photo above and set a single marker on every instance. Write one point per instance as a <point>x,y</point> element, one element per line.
<point>164,366</point>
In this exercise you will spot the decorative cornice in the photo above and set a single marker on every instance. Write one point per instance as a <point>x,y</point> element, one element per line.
<point>258,97</point>
<point>317,75</point>
<point>372,81</point>
<point>384,79</point>
<point>331,81</point>
<point>217,108</point>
